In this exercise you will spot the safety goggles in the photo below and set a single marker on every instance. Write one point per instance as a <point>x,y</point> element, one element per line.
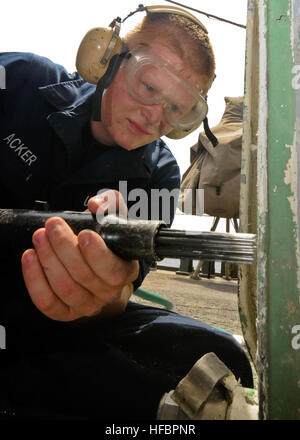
<point>151,80</point>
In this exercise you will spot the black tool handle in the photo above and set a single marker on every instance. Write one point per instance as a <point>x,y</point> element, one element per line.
<point>129,239</point>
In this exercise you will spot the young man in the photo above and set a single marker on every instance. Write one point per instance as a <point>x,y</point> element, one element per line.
<point>63,359</point>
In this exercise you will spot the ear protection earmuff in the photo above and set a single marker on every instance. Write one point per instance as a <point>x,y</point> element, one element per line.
<point>102,50</point>
<point>96,50</point>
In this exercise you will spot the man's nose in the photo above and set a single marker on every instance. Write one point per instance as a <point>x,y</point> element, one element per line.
<point>154,113</point>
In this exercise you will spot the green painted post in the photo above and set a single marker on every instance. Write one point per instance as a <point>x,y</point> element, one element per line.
<point>278,192</point>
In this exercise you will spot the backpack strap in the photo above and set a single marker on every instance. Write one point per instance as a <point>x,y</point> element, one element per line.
<point>209,133</point>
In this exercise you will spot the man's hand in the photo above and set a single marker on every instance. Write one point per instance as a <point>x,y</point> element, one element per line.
<point>69,276</point>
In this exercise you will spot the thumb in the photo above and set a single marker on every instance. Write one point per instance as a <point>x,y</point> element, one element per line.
<point>108,202</point>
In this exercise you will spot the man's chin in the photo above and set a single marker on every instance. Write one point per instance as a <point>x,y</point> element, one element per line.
<point>132,146</point>
<point>127,145</point>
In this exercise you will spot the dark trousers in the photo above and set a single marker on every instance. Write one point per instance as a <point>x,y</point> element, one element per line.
<point>113,370</point>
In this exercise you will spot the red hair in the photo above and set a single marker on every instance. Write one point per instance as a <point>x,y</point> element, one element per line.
<point>183,36</point>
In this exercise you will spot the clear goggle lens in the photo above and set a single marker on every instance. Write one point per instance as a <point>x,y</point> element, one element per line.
<point>151,81</point>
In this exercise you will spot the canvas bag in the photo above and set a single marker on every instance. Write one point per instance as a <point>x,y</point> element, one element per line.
<point>217,169</point>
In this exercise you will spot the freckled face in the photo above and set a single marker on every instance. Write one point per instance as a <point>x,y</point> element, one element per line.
<point>127,122</point>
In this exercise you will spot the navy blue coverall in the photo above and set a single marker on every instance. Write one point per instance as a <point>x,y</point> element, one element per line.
<point>115,369</point>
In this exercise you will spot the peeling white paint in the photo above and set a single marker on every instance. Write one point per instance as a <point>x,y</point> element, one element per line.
<point>290,178</point>
<point>262,177</point>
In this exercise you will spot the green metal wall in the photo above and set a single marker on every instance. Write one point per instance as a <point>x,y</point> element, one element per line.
<point>272,129</point>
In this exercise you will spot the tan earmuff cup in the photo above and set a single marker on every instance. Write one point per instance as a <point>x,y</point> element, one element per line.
<point>91,51</point>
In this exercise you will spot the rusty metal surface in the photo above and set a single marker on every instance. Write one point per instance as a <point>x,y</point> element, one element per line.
<point>247,295</point>
<point>278,215</point>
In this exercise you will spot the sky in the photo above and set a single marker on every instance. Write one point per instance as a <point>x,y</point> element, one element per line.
<point>55,30</point>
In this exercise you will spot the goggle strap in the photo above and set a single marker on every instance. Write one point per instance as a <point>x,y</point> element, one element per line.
<point>209,133</point>
<point>105,81</point>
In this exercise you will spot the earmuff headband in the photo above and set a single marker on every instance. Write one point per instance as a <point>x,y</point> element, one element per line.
<point>178,11</point>
<point>112,43</point>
